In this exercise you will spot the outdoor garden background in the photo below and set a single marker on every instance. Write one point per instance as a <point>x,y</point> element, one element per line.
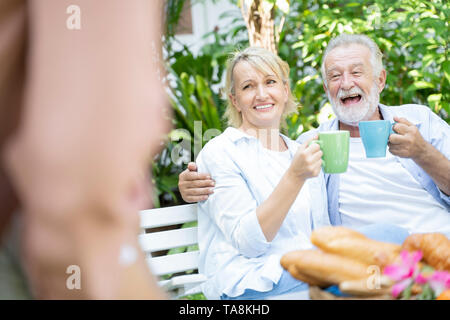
<point>412,35</point>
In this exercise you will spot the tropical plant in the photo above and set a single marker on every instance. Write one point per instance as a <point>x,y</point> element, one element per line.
<point>193,85</point>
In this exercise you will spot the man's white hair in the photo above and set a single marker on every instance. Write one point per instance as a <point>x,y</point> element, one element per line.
<point>348,39</point>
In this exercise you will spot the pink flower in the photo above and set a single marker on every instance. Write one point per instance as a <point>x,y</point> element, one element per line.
<point>400,286</point>
<point>405,272</point>
<point>406,269</point>
<point>422,278</point>
<point>439,281</point>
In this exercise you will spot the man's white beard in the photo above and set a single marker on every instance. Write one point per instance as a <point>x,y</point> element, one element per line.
<point>361,111</point>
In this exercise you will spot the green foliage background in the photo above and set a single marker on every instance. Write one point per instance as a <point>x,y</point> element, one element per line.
<point>413,36</point>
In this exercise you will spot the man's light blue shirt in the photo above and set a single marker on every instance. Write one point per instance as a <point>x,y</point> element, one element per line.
<point>234,253</point>
<point>432,128</point>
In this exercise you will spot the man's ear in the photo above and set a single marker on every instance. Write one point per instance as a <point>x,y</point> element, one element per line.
<point>234,102</point>
<point>381,80</point>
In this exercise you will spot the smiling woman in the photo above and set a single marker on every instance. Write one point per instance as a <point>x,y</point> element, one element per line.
<point>269,190</point>
<point>259,98</point>
<point>260,74</point>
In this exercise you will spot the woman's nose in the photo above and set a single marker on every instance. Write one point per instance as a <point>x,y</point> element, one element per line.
<point>261,93</point>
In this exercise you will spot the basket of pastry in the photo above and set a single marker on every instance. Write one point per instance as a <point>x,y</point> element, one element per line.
<point>347,265</point>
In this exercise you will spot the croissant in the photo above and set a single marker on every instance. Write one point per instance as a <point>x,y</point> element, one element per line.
<point>319,268</point>
<point>434,246</point>
<point>354,245</point>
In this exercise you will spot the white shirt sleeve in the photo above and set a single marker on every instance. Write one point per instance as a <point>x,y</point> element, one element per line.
<point>440,139</point>
<point>232,206</point>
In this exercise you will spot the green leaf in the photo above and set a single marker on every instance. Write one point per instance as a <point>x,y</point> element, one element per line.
<point>418,85</point>
<point>446,68</point>
<point>414,73</point>
<point>406,294</point>
<point>320,36</point>
<point>436,24</point>
<point>427,269</point>
<point>418,40</point>
<point>427,293</point>
<point>434,98</point>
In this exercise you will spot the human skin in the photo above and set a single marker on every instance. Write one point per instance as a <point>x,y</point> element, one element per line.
<point>349,66</point>
<point>93,116</point>
<point>253,90</point>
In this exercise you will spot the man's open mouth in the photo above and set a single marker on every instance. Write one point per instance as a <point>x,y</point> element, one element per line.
<point>351,99</point>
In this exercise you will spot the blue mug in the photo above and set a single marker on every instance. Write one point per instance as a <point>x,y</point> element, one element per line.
<point>375,136</point>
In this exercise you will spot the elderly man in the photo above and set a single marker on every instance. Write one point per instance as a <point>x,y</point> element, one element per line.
<point>410,187</point>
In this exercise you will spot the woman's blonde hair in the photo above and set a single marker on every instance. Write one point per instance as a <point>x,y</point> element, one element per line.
<point>265,62</point>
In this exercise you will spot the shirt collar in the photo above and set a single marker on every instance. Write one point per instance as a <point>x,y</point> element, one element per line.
<point>386,112</point>
<point>235,135</point>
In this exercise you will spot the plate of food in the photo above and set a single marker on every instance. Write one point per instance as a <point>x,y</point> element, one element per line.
<point>345,264</point>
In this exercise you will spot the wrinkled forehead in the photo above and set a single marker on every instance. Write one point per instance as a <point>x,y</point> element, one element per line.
<point>348,55</point>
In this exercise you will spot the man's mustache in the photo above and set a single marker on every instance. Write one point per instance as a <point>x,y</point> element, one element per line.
<point>345,93</point>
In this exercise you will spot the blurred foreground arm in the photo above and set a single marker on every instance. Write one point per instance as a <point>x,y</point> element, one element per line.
<point>93,118</point>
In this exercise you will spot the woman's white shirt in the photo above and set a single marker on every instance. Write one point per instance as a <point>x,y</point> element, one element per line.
<point>234,254</point>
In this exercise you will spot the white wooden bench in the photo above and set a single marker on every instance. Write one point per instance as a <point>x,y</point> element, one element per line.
<point>171,265</point>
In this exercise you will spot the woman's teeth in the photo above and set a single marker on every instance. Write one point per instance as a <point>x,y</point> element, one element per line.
<point>264,106</point>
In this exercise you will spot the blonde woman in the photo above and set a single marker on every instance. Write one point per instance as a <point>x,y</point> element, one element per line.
<point>269,191</point>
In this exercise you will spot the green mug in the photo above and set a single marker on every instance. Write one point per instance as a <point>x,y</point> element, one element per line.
<point>335,148</point>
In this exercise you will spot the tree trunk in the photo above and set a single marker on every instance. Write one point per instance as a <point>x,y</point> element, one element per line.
<point>259,18</point>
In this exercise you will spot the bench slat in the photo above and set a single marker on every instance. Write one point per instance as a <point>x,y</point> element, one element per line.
<point>163,240</point>
<point>168,216</point>
<point>174,263</point>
